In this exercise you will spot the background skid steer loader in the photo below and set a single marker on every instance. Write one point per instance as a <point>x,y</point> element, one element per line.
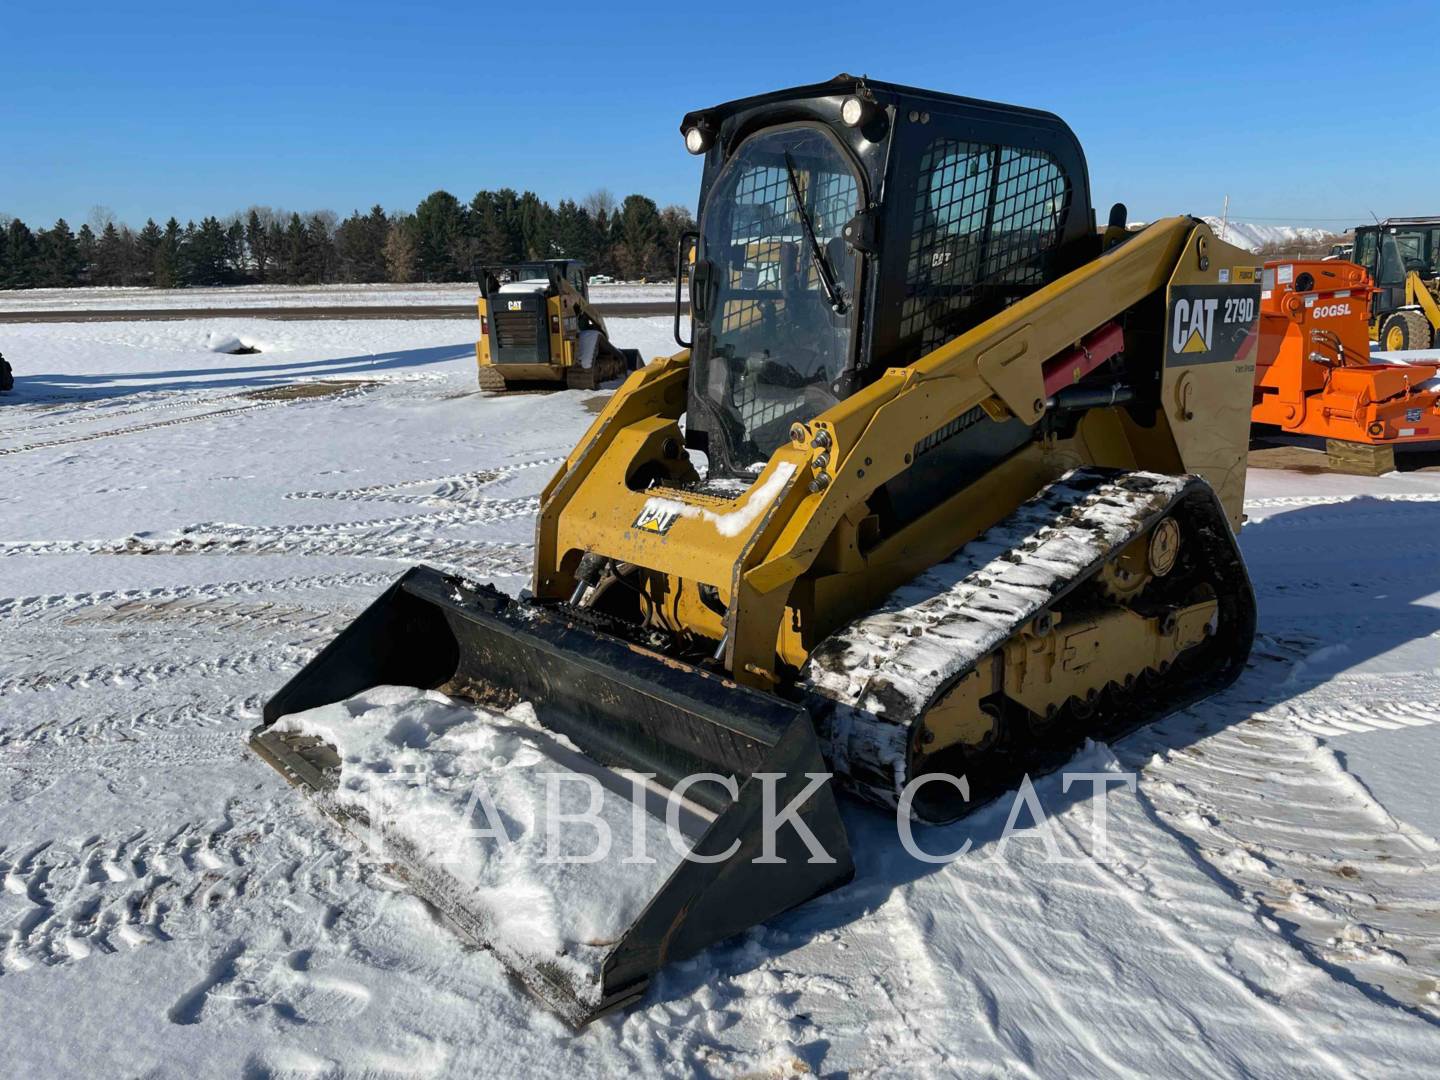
<point>974,469</point>
<point>537,328</point>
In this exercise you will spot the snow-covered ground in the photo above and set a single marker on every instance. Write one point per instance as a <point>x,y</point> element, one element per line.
<point>182,529</point>
<point>264,296</point>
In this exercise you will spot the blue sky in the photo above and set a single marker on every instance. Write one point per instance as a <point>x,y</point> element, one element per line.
<point>189,109</point>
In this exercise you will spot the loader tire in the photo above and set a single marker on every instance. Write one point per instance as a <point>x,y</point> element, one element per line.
<point>1404,330</point>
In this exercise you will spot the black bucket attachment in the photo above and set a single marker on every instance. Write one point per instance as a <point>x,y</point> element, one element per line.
<point>624,708</point>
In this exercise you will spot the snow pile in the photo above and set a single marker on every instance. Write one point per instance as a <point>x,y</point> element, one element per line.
<point>733,522</point>
<point>490,799</point>
<point>218,341</point>
<point>1252,237</point>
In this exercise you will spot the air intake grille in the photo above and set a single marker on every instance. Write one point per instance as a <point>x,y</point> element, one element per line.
<point>517,329</point>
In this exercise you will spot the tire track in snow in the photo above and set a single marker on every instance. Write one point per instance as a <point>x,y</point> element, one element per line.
<point>64,901</point>
<point>486,512</point>
<point>133,675</point>
<point>93,728</point>
<point>454,488</point>
<point>113,408</point>
<point>121,604</point>
<point>475,558</point>
<point>216,414</point>
<point>1267,808</point>
<point>1143,882</point>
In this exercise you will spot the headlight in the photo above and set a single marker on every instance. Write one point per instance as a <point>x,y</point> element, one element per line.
<point>697,139</point>
<point>853,111</point>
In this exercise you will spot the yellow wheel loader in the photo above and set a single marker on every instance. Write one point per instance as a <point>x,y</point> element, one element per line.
<point>1402,256</point>
<point>538,329</point>
<point>946,482</point>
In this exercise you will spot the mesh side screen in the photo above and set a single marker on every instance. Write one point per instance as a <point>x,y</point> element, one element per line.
<point>987,218</point>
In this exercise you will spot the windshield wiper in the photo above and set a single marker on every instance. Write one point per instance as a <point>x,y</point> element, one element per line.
<point>827,272</point>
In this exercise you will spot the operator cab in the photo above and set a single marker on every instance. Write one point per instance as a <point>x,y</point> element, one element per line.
<point>1402,245</point>
<point>543,277</point>
<point>1391,249</point>
<point>851,226</point>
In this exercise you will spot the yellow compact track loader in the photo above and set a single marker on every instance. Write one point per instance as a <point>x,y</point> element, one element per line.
<point>947,482</point>
<point>538,328</point>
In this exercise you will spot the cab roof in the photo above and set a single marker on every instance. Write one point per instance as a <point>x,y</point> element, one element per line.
<point>845,85</point>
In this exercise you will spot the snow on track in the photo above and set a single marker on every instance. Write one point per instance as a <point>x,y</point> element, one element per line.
<point>1265,903</point>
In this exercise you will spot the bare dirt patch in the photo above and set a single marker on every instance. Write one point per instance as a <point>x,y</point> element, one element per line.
<point>292,391</point>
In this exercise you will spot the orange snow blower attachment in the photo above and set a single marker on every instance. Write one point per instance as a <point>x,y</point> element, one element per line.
<point>1314,373</point>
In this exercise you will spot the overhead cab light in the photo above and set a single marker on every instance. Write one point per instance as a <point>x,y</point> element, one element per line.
<point>854,111</point>
<point>698,139</point>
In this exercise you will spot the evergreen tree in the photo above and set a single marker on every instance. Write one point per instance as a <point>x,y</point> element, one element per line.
<point>487,231</point>
<point>109,257</point>
<point>257,239</point>
<point>168,269</point>
<point>59,258</point>
<point>377,230</point>
<point>574,232</point>
<point>600,206</point>
<point>235,251</point>
<point>130,268</point>
<point>147,251</point>
<point>319,251</point>
<point>639,235</point>
<point>507,213</point>
<point>537,226</point>
<point>294,252</point>
<point>275,245</point>
<point>360,246</point>
<point>205,253</point>
<point>23,254</point>
<point>188,270</point>
<point>85,247</point>
<point>440,238</point>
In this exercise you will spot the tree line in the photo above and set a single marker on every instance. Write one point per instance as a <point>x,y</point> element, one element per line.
<point>440,240</point>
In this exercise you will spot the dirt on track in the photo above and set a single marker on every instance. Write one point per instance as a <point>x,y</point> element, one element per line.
<point>629,310</point>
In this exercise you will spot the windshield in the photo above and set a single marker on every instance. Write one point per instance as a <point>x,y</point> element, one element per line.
<point>777,338</point>
<point>1365,250</point>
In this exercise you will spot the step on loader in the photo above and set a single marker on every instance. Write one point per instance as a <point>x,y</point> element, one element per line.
<point>946,482</point>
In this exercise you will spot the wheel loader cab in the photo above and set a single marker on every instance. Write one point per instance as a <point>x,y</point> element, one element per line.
<point>849,227</point>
